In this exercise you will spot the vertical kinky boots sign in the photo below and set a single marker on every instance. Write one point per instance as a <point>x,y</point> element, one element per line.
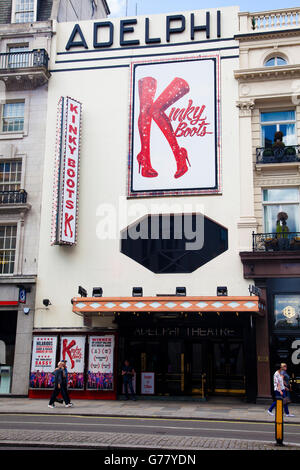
<point>174,138</point>
<point>66,177</point>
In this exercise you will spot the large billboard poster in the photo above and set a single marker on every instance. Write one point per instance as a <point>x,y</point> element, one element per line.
<point>73,351</point>
<point>174,139</point>
<point>43,361</point>
<point>101,363</point>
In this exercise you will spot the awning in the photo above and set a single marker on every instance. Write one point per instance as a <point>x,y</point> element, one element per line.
<point>110,305</point>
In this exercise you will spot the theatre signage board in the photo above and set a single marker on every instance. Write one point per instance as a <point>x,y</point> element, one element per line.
<point>128,32</point>
<point>43,361</point>
<point>66,177</point>
<point>101,363</point>
<point>174,135</point>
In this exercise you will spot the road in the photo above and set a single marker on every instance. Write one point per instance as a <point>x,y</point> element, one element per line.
<point>85,428</point>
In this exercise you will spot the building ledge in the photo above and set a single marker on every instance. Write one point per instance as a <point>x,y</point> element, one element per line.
<point>266,73</point>
<point>18,279</point>
<point>270,264</point>
<point>18,208</point>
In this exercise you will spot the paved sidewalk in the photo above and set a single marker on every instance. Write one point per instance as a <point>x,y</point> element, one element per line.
<point>225,409</point>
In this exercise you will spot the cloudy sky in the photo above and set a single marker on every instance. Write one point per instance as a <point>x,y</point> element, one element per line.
<point>147,7</point>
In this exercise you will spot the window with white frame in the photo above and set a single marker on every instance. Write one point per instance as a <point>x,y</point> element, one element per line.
<point>275,61</point>
<point>13,117</point>
<point>18,56</point>
<point>278,200</point>
<point>283,121</point>
<point>8,243</point>
<point>10,175</point>
<point>25,11</point>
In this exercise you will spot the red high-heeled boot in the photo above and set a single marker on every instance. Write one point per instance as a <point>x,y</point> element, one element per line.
<point>147,89</point>
<point>174,91</point>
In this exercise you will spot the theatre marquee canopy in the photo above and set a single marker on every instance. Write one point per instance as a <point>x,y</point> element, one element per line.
<point>110,305</point>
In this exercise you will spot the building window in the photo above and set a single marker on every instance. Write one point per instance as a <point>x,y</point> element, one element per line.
<point>10,175</point>
<point>24,11</point>
<point>8,241</point>
<point>283,121</point>
<point>275,61</point>
<point>18,56</point>
<point>281,200</point>
<point>13,117</point>
<point>287,311</point>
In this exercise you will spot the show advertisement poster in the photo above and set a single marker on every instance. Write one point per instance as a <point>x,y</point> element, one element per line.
<point>43,361</point>
<point>72,351</point>
<point>174,145</point>
<point>101,363</point>
<point>147,383</point>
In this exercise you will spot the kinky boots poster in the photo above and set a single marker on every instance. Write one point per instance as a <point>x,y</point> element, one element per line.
<point>174,145</point>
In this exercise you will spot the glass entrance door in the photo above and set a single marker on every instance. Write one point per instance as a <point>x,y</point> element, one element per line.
<point>228,368</point>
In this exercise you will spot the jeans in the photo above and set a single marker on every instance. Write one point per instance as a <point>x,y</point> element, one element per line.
<point>126,383</point>
<point>277,394</point>
<point>56,392</point>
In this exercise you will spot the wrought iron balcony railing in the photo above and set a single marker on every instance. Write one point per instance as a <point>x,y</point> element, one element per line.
<point>285,241</point>
<point>24,70</point>
<point>278,154</point>
<point>13,197</point>
<point>25,59</point>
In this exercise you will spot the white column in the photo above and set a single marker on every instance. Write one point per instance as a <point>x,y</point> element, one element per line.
<point>247,222</point>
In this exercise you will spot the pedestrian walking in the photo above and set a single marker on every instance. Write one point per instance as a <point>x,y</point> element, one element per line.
<point>58,378</point>
<point>286,381</point>
<point>280,392</point>
<point>128,373</point>
<point>64,388</point>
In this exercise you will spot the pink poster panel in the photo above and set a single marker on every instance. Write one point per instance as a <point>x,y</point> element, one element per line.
<point>72,350</point>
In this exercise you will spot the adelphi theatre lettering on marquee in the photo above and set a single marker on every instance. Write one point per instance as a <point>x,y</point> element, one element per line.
<point>192,332</point>
<point>104,34</point>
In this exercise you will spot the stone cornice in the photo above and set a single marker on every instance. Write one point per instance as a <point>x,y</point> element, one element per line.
<point>280,72</point>
<point>275,34</point>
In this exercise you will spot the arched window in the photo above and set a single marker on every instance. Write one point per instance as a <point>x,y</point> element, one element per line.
<point>274,61</point>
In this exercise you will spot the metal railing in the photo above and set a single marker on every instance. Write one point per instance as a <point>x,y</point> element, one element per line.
<point>13,197</point>
<point>24,59</point>
<point>284,241</point>
<point>278,154</point>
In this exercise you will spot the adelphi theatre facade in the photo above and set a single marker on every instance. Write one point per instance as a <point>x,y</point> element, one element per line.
<point>148,201</point>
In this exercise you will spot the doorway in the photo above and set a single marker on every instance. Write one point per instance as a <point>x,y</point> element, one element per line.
<point>226,374</point>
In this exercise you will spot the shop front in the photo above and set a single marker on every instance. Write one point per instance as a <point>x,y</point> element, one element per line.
<point>206,349</point>
<point>277,276</point>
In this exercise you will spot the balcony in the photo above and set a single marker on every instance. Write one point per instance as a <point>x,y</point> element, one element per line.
<point>289,241</point>
<point>278,154</point>
<point>14,202</point>
<point>24,70</point>
<point>13,197</point>
<point>269,21</point>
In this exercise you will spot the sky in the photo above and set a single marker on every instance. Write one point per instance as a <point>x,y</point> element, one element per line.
<point>148,7</point>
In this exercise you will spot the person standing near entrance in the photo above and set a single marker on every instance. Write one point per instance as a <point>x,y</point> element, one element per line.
<point>280,391</point>
<point>128,372</point>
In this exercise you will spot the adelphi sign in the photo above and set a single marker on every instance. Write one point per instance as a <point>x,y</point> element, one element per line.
<point>105,35</point>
